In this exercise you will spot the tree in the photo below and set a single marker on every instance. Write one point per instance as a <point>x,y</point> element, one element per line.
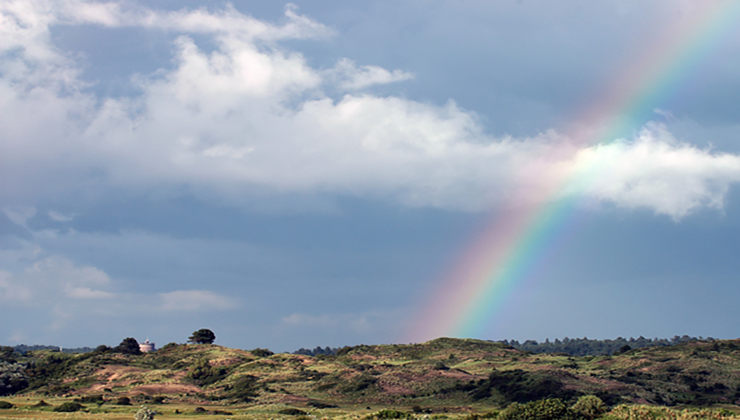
<point>202,336</point>
<point>129,345</point>
<point>590,407</point>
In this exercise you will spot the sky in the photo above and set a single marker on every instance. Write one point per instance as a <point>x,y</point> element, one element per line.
<point>310,174</point>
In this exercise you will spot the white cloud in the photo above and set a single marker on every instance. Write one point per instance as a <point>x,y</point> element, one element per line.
<point>250,115</point>
<point>350,77</point>
<point>60,217</point>
<point>11,291</point>
<point>195,300</point>
<point>57,276</point>
<point>657,172</point>
<point>19,214</point>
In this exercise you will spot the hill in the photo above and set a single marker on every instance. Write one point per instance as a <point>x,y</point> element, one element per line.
<point>440,375</point>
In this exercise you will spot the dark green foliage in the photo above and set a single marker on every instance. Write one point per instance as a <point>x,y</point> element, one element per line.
<point>69,407</point>
<point>169,346</point>
<point>344,351</point>
<point>318,351</point>
<point>489,415</point>
<point>585,346</point>
<point>41,403</point>
<point>548,409</point>
<point>320,405</point>
<point>102,349</point>
<point>290,411</point>
<point>201,410</point>
<point>390,414</point>
<point>519,386</point>
<point>244,389</point>
<point>624,349</point>
<point>202,373</point>
<point>261,352</point>
<point>589,407</point>
<point>123,401</point>
<point>13,377</point>
<point>90,399</point>
<point>4,405</point>
<point>440,366</point>
<point>7,354</point>
<point>129,345</point>
<point>358,383</point>
<point>202,336</point>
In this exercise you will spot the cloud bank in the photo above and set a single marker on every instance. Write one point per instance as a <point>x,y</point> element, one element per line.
<point>252,117</point>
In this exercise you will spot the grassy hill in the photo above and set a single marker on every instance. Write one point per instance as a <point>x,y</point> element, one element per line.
<point>442,375</point>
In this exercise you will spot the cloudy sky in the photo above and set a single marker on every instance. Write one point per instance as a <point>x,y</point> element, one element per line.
<point>303,174</point>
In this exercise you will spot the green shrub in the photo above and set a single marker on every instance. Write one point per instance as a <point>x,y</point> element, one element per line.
<point>5,405</point>
<point>89,399</point>
<point>69,407</point>
<point>290,411</point>
<point>390,414</point>
<point>548,409</point>
<point>123,401</point>
<point>262,352</point>
<point>590,407</point>
<point>202,373</point>
<point>243,389</point>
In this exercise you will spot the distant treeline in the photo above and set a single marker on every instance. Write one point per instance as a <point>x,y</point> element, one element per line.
<point>587,347</point>
<point>327,351</point>
<point>23,348</point>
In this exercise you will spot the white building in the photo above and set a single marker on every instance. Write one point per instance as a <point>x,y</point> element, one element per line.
<point>147,346</point>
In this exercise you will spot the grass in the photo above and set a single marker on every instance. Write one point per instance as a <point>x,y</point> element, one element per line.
<point>446,376</point>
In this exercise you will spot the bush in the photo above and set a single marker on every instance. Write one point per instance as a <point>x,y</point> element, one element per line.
<point>243,389</point>
<point>13,378</point>
<point>144,414</point>
<point>291,412</point>
<point>262,352</point>
<point>202,336</point>
<point>123,401</point>
<point>549,409</point>
<point>129,345</point>
<point>202,373</point>
<point>5,405</point>
<point>391,414</point>
<point>41,403</point>
<point>589,406</point>
<point>89,399</point>
<point>69,407</point>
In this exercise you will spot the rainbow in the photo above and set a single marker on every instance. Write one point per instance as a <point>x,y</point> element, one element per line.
<point>516,242</point>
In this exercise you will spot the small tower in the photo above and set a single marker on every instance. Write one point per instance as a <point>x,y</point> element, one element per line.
<point>147,346</point>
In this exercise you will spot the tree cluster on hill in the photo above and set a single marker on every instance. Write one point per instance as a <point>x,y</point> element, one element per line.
<point>23,349</point>
<point>587,347</point>
<point>327,351</point>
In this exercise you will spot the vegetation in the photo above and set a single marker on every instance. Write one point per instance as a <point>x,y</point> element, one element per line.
<point>326,351</point>
<point>452,378</point>
<point>202,336</point>
<point>145,413</point>
<point>13,377</point>
<point>587,347</point>
<point>129,345</point>
<point>69,407</point>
